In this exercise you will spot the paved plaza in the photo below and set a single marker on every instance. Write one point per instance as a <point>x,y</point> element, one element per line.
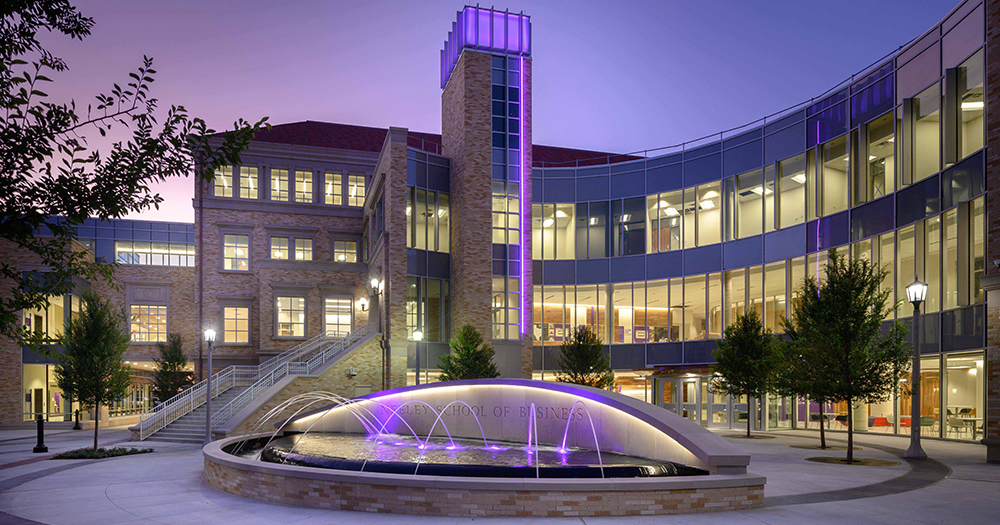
<point>166,487</point>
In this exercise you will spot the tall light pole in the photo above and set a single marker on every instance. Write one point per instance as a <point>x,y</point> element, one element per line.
<point>916,292</point>
<point>418,335</point>
<point>210,337</point>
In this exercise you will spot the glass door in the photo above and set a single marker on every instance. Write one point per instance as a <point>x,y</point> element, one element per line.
<point>741,413</point>
<point>719,407</point>
<point>691,398</point>
<point>668,394</point>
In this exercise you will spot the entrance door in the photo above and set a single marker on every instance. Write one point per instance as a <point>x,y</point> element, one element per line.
<point>691,398</point>
<point>719,407</point>
<point>741,412</point>
<point>668,394</point>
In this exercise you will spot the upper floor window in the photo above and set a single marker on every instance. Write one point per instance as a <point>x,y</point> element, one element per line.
<point>290,317</point>
<point>303,186</point>
<point>333,189</point>
<point>553,231</point>
<point>428,220</point>
<point>506,213</point>
<point>279,184</point>
<point>223,181</point>
<point>345,251</point>
<point>248,182</point>
<point>926,136</point>
<point>236,323</point>
<point>154,253</point>
<point>355,190</point>
<point>236,252</point>
<point>972,104</point>
<point>279,248</point>
<point>303,249</point>
<point>149,323</point>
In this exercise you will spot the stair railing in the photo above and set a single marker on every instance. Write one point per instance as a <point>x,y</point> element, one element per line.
<point>236,375</point>
<point>335,348</point>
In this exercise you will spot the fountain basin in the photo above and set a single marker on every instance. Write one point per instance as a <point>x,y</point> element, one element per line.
<point>508,408</point>
<point>403,455</point>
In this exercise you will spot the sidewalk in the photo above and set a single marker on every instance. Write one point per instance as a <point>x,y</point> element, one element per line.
<point>167,487</point>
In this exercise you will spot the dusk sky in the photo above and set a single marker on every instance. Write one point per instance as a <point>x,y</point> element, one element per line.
<point>612,76</point>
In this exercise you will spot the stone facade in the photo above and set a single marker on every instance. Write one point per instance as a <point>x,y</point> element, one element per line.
<point>992,428</point>
<point>398,498</point>
<point>267,278</point>
<point>387,248</point>
<point>365,361</point>
<point>465,133</point>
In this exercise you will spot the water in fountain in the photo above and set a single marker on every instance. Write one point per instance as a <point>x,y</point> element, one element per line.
<point>379,450</point>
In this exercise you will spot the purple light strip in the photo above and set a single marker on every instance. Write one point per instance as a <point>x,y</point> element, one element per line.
<point>524,203</point>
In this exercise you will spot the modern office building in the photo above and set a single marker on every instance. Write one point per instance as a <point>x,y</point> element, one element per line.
<point>656,251</point>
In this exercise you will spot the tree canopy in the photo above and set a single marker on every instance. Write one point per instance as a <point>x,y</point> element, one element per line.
<point>583,361</point>
<point>91,367</point>
<point>170,375</point>
<point>837,337</point>
<point>52,180</point>
<point>746,360</point>
<point>471,357</point>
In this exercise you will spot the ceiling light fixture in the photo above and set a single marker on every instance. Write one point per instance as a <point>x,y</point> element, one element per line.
<point>799,177</point>
<point>973,105</point>
<point>548,223</point>
<point>707,204</point>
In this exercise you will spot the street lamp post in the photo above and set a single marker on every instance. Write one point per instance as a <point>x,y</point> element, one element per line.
<point>418,335</point>
<point>210,337</point>
<point>916,292</point>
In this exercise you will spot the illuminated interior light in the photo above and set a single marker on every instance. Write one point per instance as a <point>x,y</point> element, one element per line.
<point>593,221</point>
<point>548,222</point>
<point>561,214</point>
<point>799,177</point>
<point>872,157</point>
<point>710,194</point>
<point>707,204</point>
<point>760,190</point>
<point>672,212</point>
<point>664,204</point>
<point>973,105</point>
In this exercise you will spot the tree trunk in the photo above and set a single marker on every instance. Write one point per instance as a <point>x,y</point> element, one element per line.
<point>822,432</point>
<point>850,431</point>
<point>749,414</point>
<point>97,422</point>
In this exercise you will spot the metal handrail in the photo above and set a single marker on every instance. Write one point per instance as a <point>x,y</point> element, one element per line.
<point>234,375</point>
<point>336,347</point>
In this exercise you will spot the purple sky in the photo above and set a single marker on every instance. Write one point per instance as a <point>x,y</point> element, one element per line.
<point>640,74</point>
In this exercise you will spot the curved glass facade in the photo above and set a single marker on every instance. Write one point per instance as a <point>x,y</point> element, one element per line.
<point>659,254</point>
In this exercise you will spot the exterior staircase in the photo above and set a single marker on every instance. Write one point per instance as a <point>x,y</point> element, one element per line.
<point>190,428</point>
<point>182,417</point>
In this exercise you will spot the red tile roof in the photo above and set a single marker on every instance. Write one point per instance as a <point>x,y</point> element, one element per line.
<point>363,138</point>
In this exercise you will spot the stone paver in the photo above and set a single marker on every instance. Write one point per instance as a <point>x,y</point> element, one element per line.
<point>167,487</point>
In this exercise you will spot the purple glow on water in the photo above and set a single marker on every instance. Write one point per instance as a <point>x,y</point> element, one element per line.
<point>562,450</point>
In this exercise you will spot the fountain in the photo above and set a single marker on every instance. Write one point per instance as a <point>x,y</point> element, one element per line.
<point>484,447</point>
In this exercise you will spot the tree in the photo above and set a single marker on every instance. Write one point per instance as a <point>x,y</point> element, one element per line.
<point>91,367</point>
<point>471,359</point>
<point>746,360</point>
<point>170,376</point>
<point>583,361</point>
<point>836,326</point>
<point>797,375</point>
<point>52,181</point>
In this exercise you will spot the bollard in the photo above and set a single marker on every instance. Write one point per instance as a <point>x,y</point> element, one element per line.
<point>76,426</point>
<point>40,446</point>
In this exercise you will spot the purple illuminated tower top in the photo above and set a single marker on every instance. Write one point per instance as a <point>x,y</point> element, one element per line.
<point>484,29</point>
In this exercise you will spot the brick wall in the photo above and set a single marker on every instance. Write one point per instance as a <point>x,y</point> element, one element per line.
<point>366,361</point>
<point>388,258</point>
<point>993,217</point>
<point>465,132</point>
<point>401,499</point>
<point>268,278</point>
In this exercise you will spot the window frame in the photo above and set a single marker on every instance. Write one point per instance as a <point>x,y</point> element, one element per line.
<point>279,294</point>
